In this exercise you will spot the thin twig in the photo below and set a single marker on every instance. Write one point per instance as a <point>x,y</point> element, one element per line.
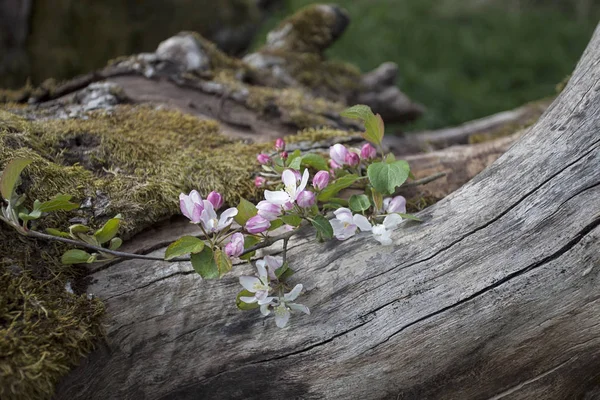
<point>44,236</point>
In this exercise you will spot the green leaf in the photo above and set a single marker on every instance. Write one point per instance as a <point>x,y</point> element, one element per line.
<point>108,231</point>
<point>295,163</point>
<point>246,210</point>
<point>373,123</point>
<point>184,245</point>
<point>284,272</point>
<point>75,256</point>
<point>323,227</point>
<point>410,217</point>
<point>204,264</point>
<point>245,306</point>
<point>57,203</point>
<point>275,224</point>
<point>35,214</point>
<point>78,228</point>
<point>223,262</point>
<point>10,176</point>
<point>386,177</point>
<point>292,157</point>
<point>56,232</point>
<point>315,161</point>
<point>336,186</point>
<point>293,220</point>
<point>249,241</point>
<point>115,243</point>
<point>359,203</point>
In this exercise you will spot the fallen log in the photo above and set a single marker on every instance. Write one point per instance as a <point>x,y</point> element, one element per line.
<point>495,295</point>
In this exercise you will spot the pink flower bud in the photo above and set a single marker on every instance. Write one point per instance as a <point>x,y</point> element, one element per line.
<point>334,165</point>
<point>191,205</point>
<point>305,199</point>
<point>284,155</point>
<point>368,152</point>
<point>279,144</point>
<point>235,247</point>
<point>338,153</point>
<point>288,206</point>
<point>395,205</point>
<point>268,211</point>
<point>257,224</point>
<point>321,180</point>
<point>263,159</point>
<point>259,181</point>
<point>216,199</point>
<point>352,159</point>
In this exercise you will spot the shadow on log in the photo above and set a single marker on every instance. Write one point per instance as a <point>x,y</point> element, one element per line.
<point>495,295</point>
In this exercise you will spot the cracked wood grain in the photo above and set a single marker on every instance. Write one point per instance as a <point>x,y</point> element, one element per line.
<point>495,295</point>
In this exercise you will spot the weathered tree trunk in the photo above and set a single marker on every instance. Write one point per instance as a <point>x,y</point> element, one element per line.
<point>495,295</point>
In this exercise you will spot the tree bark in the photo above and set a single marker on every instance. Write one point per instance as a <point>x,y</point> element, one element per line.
<point>495,295</point>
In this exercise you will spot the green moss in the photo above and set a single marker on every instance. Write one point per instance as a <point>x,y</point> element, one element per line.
<point>135,161</point>
<point>44,331</point>
<point>311,30</point>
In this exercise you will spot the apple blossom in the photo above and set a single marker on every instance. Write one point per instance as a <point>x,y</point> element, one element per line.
<point>290,191</point>
<point>259,181</point>
<point>338,153</point>
<point>257,224</point>
<point>268,211</point>
<point>333,165</point>
<point>382,232</point>
<point>235,247</point>
<point>352,159</point>
<point>191,206</point>
<point>394,205</point>
<point>279,144</point>
<point>368,152</point>
<point>306,198</point>
<point>216,199</point>
<point>259,286</point>
<point>283,305</point>
<point>263,159</point>
<point>270,263</point>
<point>211,222</point>
<point>284,155</point>
<point>321,180</point>
<point>345,224</point>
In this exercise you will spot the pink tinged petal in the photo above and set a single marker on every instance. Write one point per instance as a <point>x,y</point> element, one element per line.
<point>278,197</point>
<point>183,205</point>
<point>197,212</point>
<point>195,196</point>
<point>352,159</point>
<point>268,211</point>
<point>235,247</point>
<point>396,205</point>
<point>368,152</point>
<point>362,222</point>
<point>249,283</point>
<point>392,221</point>
<point>288,205</point>
<point>263,159</point>
<point>334,165</point>
<point>386,203</point>
<point>257,224</point>
<point>321,180</point>
<point>348,231</point>
<point>306,199</point>
<point>264,309</point>
<point>248,300</point>
<point>273,262</point>
<point>299,307</point>
<point>227,217</point>
<point>344,215</point>
<point>216,199</point>
<point>338,152</point>
<point>293,295</point>
<point>305,177</point>
<point>282,316</point>
<point>259,181</point>
<point>279,144</point>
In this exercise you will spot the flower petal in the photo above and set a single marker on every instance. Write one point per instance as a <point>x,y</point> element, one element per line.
<point>248,300</point>
<point>289,178</point>
<point>293,295</point>
<point>262,270</point>
<point>264,309</point>
<point>344,215</point>
<point>303,182</point>
<point>226,217</point>
<point>299,307</point>
<point>362,222</point>
<point>282,316</point>
<point>248,283</point>
<point>278,197</point>
<point>266,300</point>
<point>392,221</point>
<point>195,197</point>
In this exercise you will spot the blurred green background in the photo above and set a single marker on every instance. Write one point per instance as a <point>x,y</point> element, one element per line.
<point>464,59</point>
